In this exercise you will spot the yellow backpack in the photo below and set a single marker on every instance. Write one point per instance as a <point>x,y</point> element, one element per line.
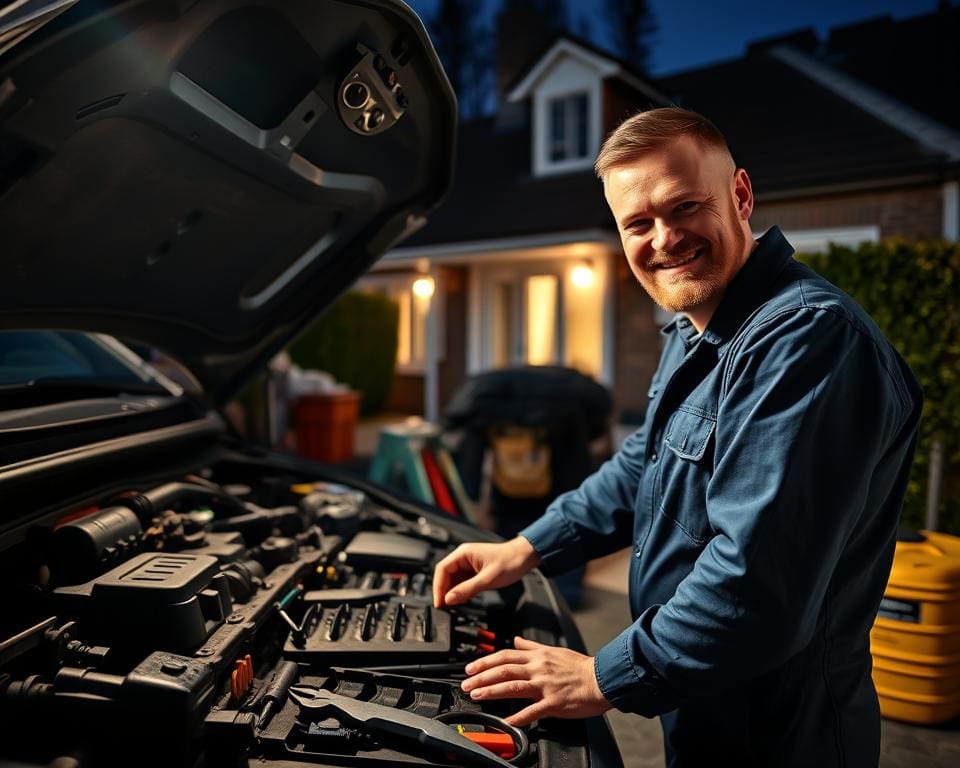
<point>521,462</point>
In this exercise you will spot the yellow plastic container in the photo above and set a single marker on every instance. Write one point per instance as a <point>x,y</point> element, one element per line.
<point>915,639</point>
<point>939,676</point>
<point>917,708</point>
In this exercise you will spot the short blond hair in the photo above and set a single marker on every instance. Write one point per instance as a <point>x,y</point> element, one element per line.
<point>651,129</point>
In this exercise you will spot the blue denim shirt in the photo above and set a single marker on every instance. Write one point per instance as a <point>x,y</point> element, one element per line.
<point>761,499</point>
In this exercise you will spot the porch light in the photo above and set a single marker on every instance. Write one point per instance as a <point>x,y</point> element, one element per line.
<point>582,276</point>
<point>423,287</point>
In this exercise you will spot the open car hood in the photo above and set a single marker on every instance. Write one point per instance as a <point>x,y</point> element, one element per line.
<point>188,174</point>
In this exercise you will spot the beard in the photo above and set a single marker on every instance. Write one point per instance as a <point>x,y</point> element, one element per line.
<point>703,284</point>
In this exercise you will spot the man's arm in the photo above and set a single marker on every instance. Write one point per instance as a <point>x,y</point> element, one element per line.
<point>806,426</point>
<point>596,518</point>
<point>593,520</point>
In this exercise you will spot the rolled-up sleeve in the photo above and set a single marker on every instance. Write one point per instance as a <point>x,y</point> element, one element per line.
<point>809,420</point>
<point>596,518</point>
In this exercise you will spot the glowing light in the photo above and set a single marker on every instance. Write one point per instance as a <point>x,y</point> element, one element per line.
<point>423,287</point>
<point>582,276</point>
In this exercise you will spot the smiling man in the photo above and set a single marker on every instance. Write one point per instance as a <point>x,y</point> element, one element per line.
<point>760,497</point>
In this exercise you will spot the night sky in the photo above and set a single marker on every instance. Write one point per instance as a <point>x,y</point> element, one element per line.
<point>696,32</point>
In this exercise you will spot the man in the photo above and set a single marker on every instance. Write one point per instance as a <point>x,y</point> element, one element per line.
<point>760,497</point>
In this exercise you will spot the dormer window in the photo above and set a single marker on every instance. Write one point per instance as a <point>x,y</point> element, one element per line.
<point>569,127</point>
<point>565,87</point>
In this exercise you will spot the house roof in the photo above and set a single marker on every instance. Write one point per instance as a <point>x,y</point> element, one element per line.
<point>915,60</point>
<point>495,195</point>
<point>789,124</point>
<point>605,64</point>
<point>792,132</point>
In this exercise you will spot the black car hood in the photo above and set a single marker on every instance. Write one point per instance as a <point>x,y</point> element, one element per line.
<point>180,173</point>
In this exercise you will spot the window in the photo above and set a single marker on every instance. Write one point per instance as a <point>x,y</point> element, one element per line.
<point>569,128</point>
<point>542,329</point>
<point>545,312</point>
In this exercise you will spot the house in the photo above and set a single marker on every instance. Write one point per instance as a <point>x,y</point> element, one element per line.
<point>847,139</point>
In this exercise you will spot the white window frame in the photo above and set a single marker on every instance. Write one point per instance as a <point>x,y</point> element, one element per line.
<point>571,127</point>
<point>517,277</point>
<point>588,83</point>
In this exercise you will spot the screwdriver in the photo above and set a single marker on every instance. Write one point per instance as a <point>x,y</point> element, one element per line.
<point>283,678</point>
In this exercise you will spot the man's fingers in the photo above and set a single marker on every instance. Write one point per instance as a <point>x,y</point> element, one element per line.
<point>465,590</point>
<point>527,715</point>
<point>527,645</point>
<point>498,674</point>
<point>506,656</point>
<point>448,572</point>
<point>512,689</point>
<point>443,576</point>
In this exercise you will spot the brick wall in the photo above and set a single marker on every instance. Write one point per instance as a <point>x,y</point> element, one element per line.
<point>907,212</point>
<point>406,394</point>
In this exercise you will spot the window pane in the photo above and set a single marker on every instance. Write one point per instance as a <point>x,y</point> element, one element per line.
<point>579,110</point>
<point>541,330</point>
<point>504,325</point>
<point>558,150</point>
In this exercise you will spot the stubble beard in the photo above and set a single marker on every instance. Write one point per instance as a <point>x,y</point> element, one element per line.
<point>688,291</point>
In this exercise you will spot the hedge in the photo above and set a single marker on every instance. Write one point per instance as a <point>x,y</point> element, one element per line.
<point>356,342</point>
<point>911,290</point>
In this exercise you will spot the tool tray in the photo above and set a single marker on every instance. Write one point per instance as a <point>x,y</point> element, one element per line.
<point>289,733</point>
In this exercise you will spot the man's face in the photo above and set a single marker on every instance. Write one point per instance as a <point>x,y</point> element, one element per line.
<point>682,213</point>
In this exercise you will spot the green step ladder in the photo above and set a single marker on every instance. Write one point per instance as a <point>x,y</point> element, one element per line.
<point>399,453</point>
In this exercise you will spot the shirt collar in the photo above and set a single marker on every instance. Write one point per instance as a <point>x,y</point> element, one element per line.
<point>682,325</point>
<point>749,287</point>
<point>745,293</point>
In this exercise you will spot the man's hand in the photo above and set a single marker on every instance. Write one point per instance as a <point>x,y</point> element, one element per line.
<point>561,682</point>
<point>475,567</point>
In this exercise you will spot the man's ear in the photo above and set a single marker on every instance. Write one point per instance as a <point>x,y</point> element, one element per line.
<point>743,192</point>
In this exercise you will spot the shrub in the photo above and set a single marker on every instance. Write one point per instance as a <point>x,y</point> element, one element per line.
<point>911,290</point>
<point>356,342</point>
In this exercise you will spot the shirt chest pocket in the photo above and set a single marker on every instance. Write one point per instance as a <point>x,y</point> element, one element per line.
<point>686,465</point>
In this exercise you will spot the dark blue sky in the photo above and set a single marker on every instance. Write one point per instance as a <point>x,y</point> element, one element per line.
<point>695,32</point>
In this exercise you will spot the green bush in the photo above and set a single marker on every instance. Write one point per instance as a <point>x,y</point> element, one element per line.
<point>911,290</point>
<point>356,342</point>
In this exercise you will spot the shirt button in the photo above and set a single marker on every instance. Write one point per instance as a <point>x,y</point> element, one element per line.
<point>653,457</point>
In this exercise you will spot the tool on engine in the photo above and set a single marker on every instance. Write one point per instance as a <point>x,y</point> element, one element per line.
<point>383,721</point>
<point>276,691</point>
<point>298,631</point>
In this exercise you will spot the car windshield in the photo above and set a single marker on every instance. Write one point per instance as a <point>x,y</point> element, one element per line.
<point>75,360</point>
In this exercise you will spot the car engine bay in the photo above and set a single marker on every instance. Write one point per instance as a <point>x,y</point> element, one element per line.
<point>245,613</point>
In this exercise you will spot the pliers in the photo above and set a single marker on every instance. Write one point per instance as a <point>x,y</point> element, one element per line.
<point>398,723</point>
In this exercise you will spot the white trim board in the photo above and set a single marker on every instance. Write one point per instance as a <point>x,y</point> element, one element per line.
<point>451,253</point>
<point>817,240</point>
<point>603,66</point>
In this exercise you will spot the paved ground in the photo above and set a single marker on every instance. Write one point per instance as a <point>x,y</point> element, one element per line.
<point>603,614</point>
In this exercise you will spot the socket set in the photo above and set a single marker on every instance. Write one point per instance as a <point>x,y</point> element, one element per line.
<point>369,626</point>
